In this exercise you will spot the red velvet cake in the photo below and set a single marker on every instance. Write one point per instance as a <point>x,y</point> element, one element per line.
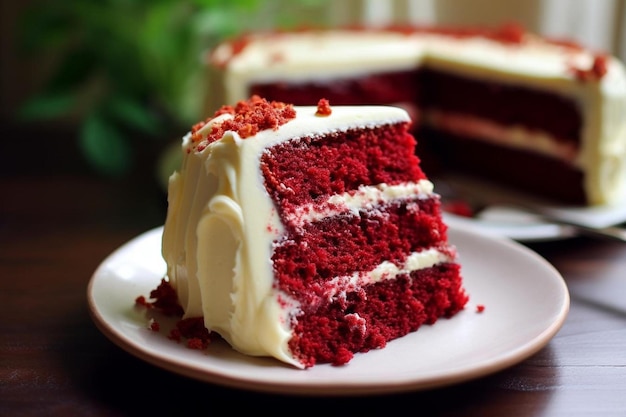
<point>537,115</point>
<point>307,234</point>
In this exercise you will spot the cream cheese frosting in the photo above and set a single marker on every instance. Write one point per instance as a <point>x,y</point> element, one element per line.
<point>334,54</point>
<point>221,228</point>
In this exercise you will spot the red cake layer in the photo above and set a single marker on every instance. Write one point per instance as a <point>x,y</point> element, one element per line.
<point>332,333</point>
<point>294,176</point>
<point>381,88</point>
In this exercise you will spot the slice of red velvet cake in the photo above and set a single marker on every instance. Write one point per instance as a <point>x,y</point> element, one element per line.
<point>308,234</point>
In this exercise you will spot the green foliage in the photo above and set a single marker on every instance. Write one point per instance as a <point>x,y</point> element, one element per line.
<point>104,145</point>
<point>129,68</point>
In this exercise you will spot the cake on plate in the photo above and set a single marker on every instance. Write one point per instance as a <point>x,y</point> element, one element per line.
<point>541,116</point>
<point>307,233</point>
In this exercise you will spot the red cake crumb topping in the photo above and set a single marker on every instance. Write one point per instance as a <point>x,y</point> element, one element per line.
<point>166,300</point>
<point>480,308</point>
<point>154,325</point>
<point>249,117</point>
<point>141,301</point>
<point>597,70</point>
<point>323,108</point>
<point>190,329</point>
<point>240,44</point>
<point>507,33</point>
<point>511,33</point>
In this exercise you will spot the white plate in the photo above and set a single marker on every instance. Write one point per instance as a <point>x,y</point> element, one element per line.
<point>504,220</point>
<point>525,300</point>
<point>499,221</point>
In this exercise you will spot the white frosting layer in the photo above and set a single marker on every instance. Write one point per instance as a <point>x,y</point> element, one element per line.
<point>221,227</point>
<point>366,197</point>
<point>323,56</point>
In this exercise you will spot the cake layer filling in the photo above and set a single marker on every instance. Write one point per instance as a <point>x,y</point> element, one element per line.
<point>364,196</point>
<point>513,136</point>
<point>339,287</point>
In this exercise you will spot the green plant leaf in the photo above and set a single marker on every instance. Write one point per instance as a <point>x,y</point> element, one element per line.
<point>104,146</point>
<point>132,114</point>
<point>47,106</point>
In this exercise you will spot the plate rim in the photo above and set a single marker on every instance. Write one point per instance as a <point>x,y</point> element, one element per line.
<point>540,231</point>
<point>317,388</point>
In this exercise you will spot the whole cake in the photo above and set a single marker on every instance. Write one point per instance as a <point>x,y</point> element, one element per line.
<point>541,116</point>
<point>309,233</point>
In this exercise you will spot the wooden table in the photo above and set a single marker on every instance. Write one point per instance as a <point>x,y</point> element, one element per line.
<point>56,228</point>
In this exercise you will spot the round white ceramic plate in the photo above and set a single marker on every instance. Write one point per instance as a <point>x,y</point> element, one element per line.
<point>511,223</point>
<point>525,303</point>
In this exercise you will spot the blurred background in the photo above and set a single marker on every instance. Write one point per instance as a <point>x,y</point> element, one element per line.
<point>103,86</point>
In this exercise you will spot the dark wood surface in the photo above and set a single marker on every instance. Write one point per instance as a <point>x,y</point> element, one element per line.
<point>58,223</point>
